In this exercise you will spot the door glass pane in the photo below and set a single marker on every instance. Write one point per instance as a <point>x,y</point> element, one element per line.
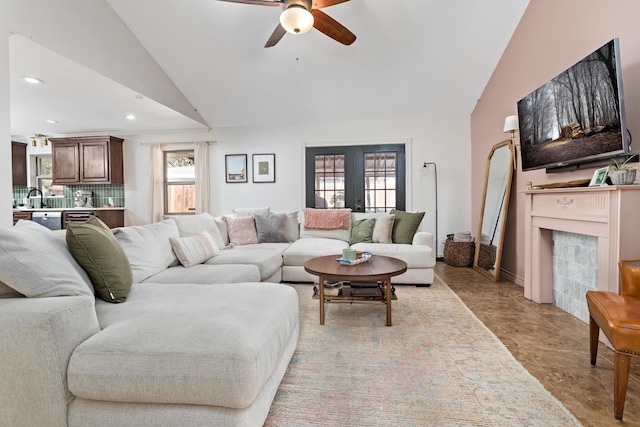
<point>380,181</point>
<point>329,181</point>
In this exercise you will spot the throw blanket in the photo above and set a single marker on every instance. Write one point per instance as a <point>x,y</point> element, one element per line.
<point>327,219</point>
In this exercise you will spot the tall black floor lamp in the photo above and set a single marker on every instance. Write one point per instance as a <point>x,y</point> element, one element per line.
<point>435,174</point>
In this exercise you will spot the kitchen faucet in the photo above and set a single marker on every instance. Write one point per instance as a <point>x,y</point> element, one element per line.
<point>37,190</point>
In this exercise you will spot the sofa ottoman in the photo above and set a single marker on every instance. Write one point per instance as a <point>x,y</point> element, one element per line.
<point>267,257</point>
<point>302,250</point>
<point>171,350</point>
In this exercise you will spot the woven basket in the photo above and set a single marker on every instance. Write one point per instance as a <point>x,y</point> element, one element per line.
<point>487,256</point>
<point>459,254</point>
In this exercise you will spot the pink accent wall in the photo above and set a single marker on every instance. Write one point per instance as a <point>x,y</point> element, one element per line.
<point>551,36</point>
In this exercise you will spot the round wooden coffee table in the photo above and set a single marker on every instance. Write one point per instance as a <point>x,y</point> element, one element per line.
<point>378,269</point>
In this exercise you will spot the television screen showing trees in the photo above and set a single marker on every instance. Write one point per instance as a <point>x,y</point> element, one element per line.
<point>578,115</point>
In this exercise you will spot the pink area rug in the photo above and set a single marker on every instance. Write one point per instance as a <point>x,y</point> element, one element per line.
<point>438,365</point>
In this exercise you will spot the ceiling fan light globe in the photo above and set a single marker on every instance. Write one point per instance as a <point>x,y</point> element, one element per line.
<point>296,19</point>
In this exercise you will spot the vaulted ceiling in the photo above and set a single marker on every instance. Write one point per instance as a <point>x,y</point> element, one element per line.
<point>411,58</point>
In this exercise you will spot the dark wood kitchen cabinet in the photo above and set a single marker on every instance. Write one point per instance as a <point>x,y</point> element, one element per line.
<point>17,216</point>
<point>87,160</point>
<point>19,163</point>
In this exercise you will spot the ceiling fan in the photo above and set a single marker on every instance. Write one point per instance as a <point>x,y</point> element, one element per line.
<point>299,16</point>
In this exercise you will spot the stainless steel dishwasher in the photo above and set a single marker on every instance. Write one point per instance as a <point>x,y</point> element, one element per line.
<point>51,220</point>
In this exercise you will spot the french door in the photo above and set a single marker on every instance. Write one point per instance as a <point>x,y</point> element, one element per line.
<point>365,178</point>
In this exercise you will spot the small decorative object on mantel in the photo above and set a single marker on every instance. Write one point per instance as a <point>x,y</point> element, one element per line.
<point>621,174</point>
<point>599,177</point>
<point>568,184</point>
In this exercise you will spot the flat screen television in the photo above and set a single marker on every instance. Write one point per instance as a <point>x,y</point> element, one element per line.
<point>577,118</point>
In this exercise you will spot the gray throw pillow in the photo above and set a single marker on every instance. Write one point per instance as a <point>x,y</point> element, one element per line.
<point>362,230</point>
<point>271,228</point>
<point>36,262</point>
<point>96,249</point>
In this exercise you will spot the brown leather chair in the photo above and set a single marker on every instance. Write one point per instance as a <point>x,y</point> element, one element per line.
<point>618,315</point>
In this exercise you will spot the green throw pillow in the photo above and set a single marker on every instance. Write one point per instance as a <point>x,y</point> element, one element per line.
<point>96,249</point>
<point>405,226</point>
<point>362,230</point>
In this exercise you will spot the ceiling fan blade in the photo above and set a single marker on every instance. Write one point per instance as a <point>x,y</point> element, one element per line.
<point>319,4</point>
<point>277,34</point>
<point>258,2</point>
<point>332,28</point>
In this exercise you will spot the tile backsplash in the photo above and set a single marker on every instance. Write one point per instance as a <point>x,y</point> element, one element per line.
<point>101,195</point>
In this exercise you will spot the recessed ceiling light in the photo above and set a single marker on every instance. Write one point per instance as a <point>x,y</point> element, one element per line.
<point>32,80</point>
<point>138,96</point>
<point>131,117</point>
<point>52,121</point>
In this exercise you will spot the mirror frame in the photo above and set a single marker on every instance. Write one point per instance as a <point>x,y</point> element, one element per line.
<point>503,212</point>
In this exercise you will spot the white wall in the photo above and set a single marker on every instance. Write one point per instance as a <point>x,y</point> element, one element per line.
<point>443,140</point>
<point>6,218</point>
<point>76,29</point>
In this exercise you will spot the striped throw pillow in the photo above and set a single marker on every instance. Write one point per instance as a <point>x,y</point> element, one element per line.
<point>194,249</point>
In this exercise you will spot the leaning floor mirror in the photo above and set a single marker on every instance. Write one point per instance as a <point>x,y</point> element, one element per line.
<point>493,214</point>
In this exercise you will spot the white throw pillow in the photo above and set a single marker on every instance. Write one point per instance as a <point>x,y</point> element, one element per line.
<point>383,229</point>
<point>36,262</point>
<point>195,249</point>
<point>148,247</point>
<point>251,211</point>
<point>188,225</point>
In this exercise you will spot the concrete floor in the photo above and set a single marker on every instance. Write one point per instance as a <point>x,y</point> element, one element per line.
<point>551,344</point>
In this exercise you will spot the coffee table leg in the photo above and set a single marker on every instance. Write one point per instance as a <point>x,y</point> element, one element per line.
<point>387,294</point>
<point>321,293</point>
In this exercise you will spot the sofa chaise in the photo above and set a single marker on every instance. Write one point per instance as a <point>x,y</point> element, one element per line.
<point>179,350</point>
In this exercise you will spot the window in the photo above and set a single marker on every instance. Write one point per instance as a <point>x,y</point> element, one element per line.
<point>179,182</point>
<point>44,180</point>
<point>364,178</point>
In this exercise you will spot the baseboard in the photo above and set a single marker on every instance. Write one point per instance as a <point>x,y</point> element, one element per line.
<point>511,277</point>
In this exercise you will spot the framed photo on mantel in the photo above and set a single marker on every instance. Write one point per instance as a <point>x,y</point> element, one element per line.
<point>235,167</point>
<point>264,168</point>
<point>599,177</point>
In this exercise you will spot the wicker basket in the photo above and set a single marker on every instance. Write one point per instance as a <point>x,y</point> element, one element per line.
<point>487,256</point>
<point>459,254</point>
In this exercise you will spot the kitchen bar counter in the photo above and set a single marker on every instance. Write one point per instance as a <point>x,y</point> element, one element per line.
<point>113,217</point>
<point>64,209</point>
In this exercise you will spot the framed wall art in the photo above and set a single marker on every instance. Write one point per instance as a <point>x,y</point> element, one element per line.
<point>264,167</point>
<point>235,167</point>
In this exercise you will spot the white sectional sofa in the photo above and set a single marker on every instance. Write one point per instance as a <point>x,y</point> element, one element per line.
<point>285,261</point>
<point>204,345</point>
<point>203,336</point>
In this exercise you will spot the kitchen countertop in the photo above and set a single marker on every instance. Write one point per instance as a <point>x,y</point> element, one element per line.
<point>64,209</point>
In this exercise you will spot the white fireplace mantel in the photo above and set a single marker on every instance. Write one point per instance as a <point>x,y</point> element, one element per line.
<point>610,213</point>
